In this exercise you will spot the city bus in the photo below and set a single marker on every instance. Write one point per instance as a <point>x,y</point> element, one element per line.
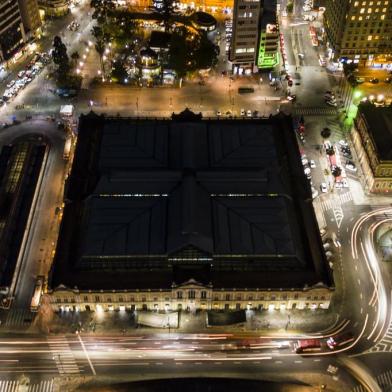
<point>307,345</point>
<point>37,294</point>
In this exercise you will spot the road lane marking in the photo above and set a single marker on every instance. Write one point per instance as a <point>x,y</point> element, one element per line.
<point>317,360</point>
<point>297,361</point>
<point>278,361</point>
<point>87,356</point>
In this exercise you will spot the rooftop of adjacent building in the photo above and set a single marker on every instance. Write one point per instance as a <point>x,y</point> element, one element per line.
<point>379,125</point>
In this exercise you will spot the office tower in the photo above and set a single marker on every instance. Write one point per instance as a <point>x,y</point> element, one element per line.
<point>359,31</point>
<point>246,27</point>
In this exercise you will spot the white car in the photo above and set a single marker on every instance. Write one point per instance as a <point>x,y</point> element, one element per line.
<point>343,143</point>
<point>344,183</point>
<point>323,187</point>
<point>305,161</point>
<point>314,192</point>
<point>312,164</point>
<point>218,113</point>
<point>331,103</point>
<point>308,173</point>
<point>351,167</point>
<point>338,185</point>
<point>242,112</point>
<point>249,113</point>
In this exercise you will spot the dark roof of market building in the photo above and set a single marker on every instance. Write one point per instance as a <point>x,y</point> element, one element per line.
<point>187,198</point>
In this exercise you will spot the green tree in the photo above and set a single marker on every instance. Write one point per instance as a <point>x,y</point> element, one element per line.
<point>119,73</point>
<point>206,53</point>
<point>166,8</point>
<point>102,9</point>
<point>75,57</point>
<point>60,58</point>
<point>178,49</point>
<point>290,8</point>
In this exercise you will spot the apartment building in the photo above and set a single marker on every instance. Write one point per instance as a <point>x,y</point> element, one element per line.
<point>12,34</point>
<point>360,31</point>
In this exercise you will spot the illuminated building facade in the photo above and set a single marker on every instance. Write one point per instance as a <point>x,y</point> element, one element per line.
<point>372,136</point>
<point>54,8</point>
<point>188,213</point>
<point>359,30</point>
<point>268,55</point>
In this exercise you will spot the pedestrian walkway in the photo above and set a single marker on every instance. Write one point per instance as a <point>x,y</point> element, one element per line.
<point>384,380</point>
<point>336,201</point>
<point>314,111</point>
<point>19,318</point>
<point>63,355</point>
<point>385,344</point>
<point>14,386</point>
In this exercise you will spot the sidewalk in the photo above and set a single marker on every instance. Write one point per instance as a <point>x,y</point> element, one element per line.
<point>117,322</point>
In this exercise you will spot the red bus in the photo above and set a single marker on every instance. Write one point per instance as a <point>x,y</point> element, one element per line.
<point>302,346</point>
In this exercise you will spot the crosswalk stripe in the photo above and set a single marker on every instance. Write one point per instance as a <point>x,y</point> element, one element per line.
<point>62,355</point>
<point>314,111</point>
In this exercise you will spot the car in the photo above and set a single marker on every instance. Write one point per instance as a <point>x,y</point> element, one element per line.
<point>312,164</point>
<point>218,113</point>
<point>21,74</point>
<point>248,113</point>
<point>331,103</point>
<point>323,232</point>
<point>351,167</point>
<point>308,173</point>
<point>11,83</point>
<point>327,145</point>
<point>344,183</point>
<point>340,340</point>
<point>290,82</point>
<point>329,96</point>
<point>229,113</point>
<point>328,254</point>
<point>359,80</point>
<point>388,80</point>
<point>373,80</point>
<point>338,185</point>
<point>347,155</point>
<point>343,143</point>
<point>314,192</point>
<point>242,112</point>
<point>291,97</point>
<point>326,245</point>
<point>255,113</point>
<point>301,55</point>
<point>323,187</point>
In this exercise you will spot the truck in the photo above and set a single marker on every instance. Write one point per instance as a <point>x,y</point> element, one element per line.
<point>37,294</point>
<point>307,345</point>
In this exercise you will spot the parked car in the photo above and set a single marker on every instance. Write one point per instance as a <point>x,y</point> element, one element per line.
<point>340,340</point>
<point>323,187</point>
<point>312,164</point>
<point>373,80</point>
<point>344,183</point>
<point>343,143</point>
<point>242,112</point>
<point>248,113</point>
<point>350,166</point>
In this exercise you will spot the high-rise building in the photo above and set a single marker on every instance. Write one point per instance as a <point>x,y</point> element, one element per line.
<point>268,50</point>
<point>255,35</point>
<point>245,38</point>
<point>359,30</point>
<point>12,35</point>
<point>30,16</point>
